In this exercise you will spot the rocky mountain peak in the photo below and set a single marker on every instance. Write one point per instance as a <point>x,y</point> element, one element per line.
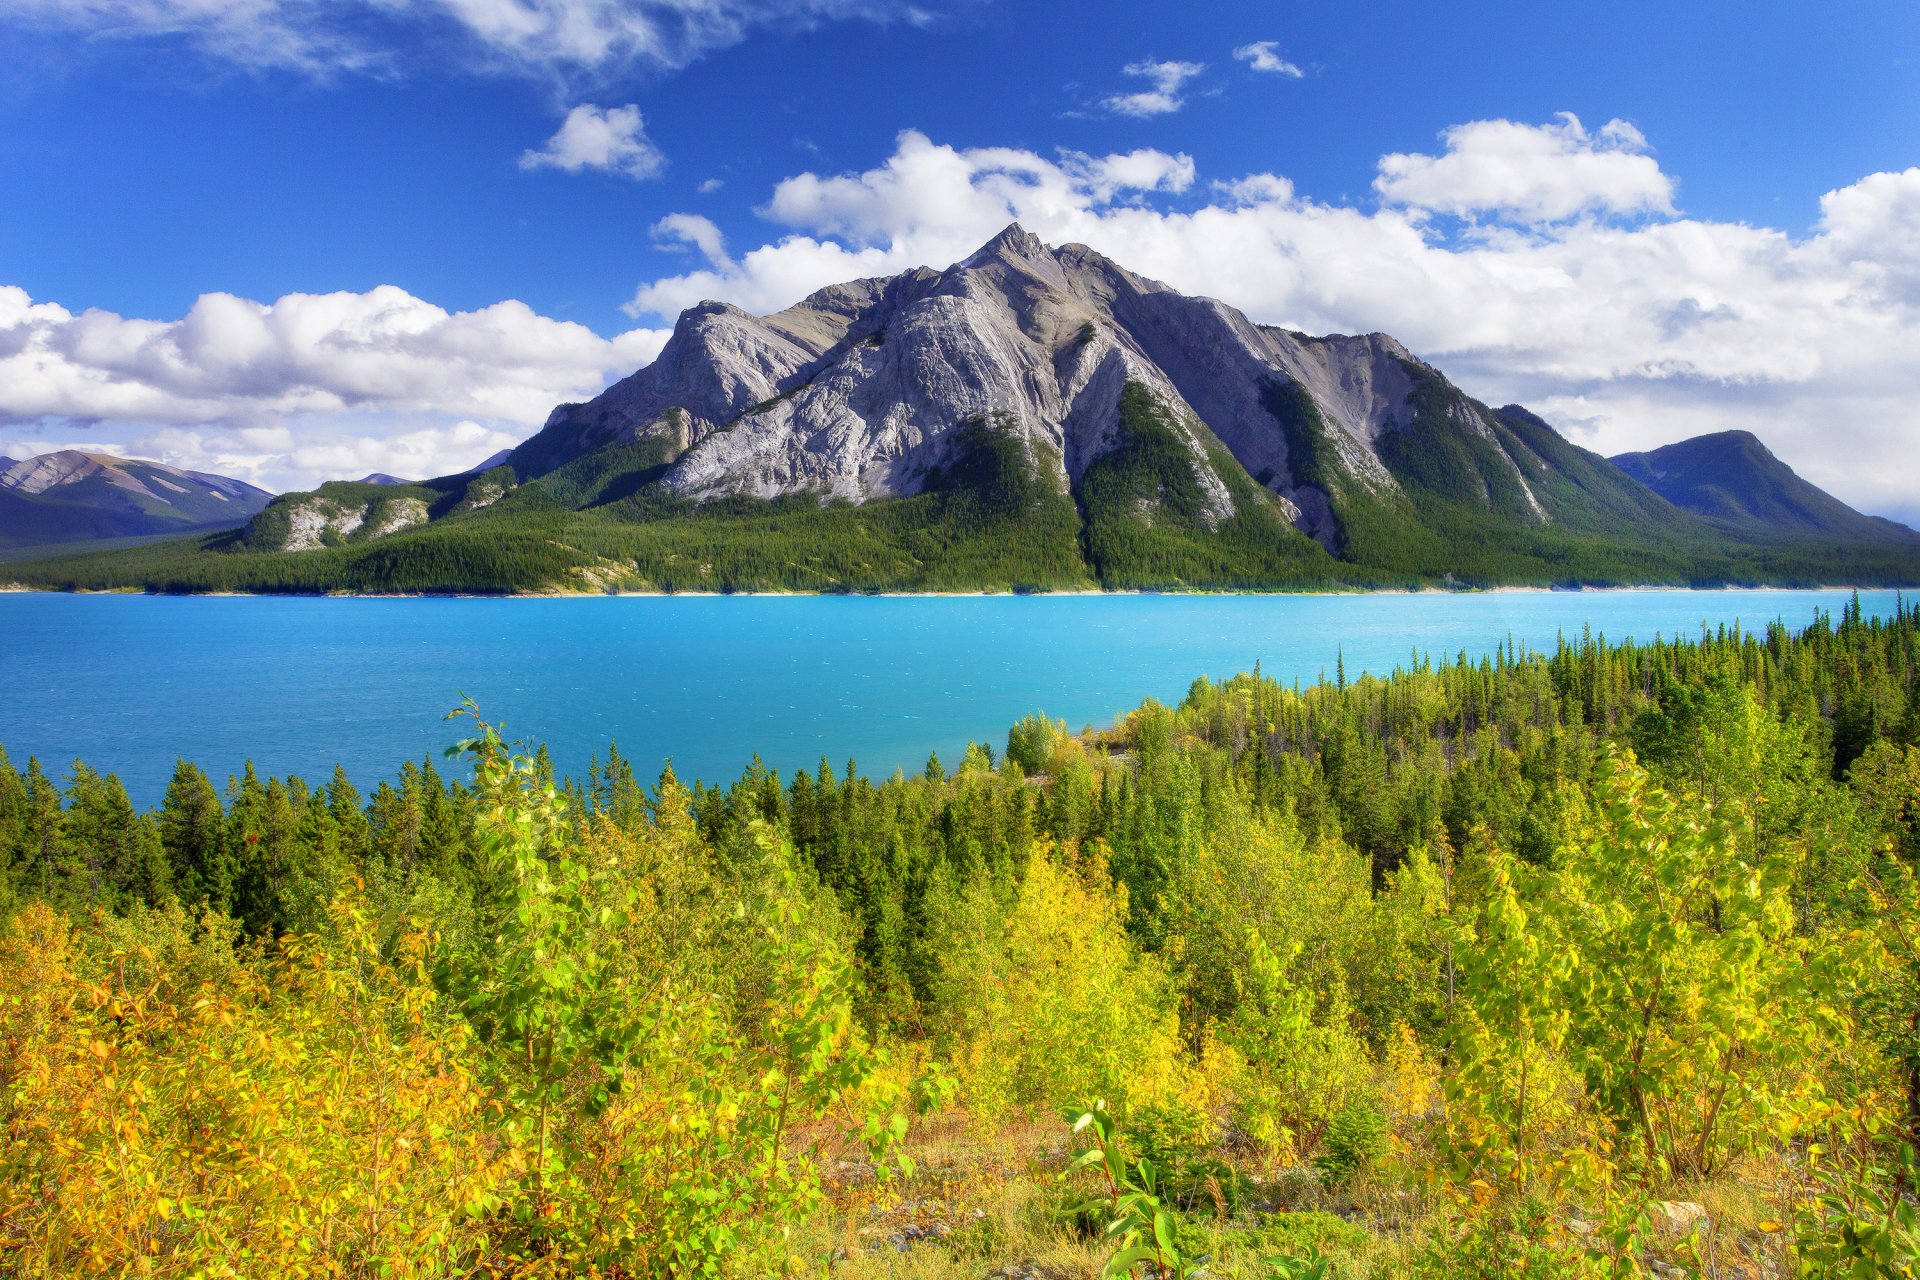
<point>1014,244</point>
<point>865,390</point>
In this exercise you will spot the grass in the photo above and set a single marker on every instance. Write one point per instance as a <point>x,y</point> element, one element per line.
<point>989,1202</point>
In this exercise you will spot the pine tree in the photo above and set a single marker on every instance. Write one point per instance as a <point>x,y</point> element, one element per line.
<point>193,839</point>
<point>397,816</point>
<point>351,828</point>
<point>246,831</point>
<point>110,853</point>
<point>40,844</point>
<point>13,828</point>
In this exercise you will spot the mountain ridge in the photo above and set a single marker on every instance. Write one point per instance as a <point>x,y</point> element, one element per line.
<point>1029,418</point>
<point>74,495</point>
<point>1731,476</point>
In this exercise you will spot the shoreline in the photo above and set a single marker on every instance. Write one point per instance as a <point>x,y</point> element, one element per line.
<point>14,588</point>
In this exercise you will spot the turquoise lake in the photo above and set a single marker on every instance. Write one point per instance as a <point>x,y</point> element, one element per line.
<point>130,683</point>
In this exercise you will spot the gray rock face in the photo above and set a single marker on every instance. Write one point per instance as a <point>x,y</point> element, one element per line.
<point>315,520</point>
<point>857,392</point>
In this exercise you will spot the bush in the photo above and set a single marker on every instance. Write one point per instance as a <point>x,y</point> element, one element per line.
<point>1170,1132</point>
<point>1052,1001</point>
<point>1315,1230</point>
<point>1355,1141</point>
<point>1032,740</point>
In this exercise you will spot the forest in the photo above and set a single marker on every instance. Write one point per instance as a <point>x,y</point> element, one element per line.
<point>998,516</point>
<point>1594,962</point>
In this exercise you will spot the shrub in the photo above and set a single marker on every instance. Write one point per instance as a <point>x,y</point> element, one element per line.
<point>1051,1001</point>
<point>1355,1141</point>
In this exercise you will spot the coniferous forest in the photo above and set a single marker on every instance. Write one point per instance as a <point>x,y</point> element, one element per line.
<point>1597,962</point>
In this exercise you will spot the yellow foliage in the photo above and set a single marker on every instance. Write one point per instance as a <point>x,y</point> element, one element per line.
<point>312,1117</point>
<point>1052,1004</point>
<point>1410,1080</point>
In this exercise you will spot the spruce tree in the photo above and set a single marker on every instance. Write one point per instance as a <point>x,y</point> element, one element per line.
<point>349,815</point>
<point>192,838</point>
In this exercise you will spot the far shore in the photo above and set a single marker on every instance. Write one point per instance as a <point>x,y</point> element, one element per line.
<point>15,588</point>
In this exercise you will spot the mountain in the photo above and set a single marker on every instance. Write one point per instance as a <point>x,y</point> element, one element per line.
<point>1029,418</point>
<point>74,496</point>
<point>492,460</point>
<point>1731,477</point>
<point>380,477</point>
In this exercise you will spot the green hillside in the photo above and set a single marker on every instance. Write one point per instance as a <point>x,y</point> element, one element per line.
<point>1732,477</point>
<point>1474,505</point>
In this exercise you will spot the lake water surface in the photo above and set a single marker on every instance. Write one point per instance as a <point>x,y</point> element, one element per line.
<point>130,683</point>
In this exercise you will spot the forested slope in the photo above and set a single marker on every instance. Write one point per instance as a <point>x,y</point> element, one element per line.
<point>1545,964</point>
<point>1030,418</point>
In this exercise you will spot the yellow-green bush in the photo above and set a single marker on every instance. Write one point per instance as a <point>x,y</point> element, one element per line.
<point>1050,1001</point>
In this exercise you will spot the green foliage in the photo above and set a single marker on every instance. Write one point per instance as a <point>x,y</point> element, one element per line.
<point>1141,1226</point>
<point>1861,1223</point>
<point>1048,999</point>
<point>1308,1233</point>
<point>1153,513</point>
<point>1583,926</point>
<point>1518,1238</point>
<point>1511,1028</point>
<point>1356,1140</point>
<point>1303,1067</point>
<point>1032,741</point>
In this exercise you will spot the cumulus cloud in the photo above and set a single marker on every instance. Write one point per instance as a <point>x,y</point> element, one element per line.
<point>1531,173</point>
<point>610,139</point>
<point>1264,55</point>
<point>302,389</point>
<point>542,37</point>
<point>1163,98</point>
<point>926,204</point>
<point>1583,296</point>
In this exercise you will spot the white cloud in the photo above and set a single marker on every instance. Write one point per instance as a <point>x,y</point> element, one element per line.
<point>610,139</point>
<point>1626,325</point>
<point>1264,55</point>
<point>1164,98</point>
<point>710,186</point>
<point>926,204</point>
<point>572,38</point>
<point>692,229</point>
<point>1533,173</point>
<point>301,389</point>
<point>1584,298</point>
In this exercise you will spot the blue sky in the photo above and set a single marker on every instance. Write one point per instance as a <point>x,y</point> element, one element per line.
<point>1615,216</point>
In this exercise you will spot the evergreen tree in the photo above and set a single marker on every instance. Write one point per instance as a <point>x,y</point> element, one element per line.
<point>349,818</point>
<point>193,839</point>
<point>40,831</point>
<point>110,854</point>
<point>13,828</point>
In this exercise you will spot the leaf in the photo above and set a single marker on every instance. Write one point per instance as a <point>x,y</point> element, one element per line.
<point>1126,1260</point>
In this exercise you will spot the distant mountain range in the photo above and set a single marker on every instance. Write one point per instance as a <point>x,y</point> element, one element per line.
<point>1031,418</point>
<point>73,496</point>
<point>1731,477</point>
